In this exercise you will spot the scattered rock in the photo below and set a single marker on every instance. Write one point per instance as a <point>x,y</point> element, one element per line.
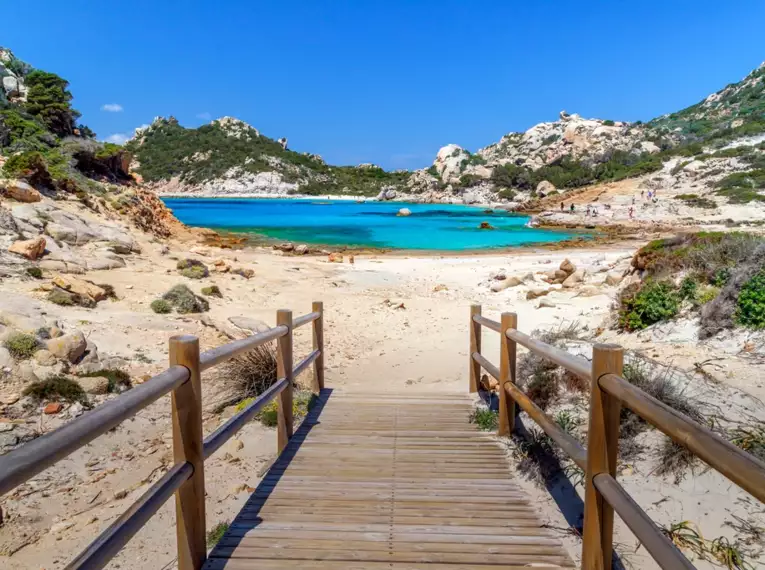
<point>21,191</point>
<point>285,247</point>
<point>545,187</point>
<point>246,273</point>
<point>69,347</point>
<point>404,212</point>
<point>44,358</point>
<point>301,249</point>
<point>589,291</point>
<point>199,250</point>
<point>335,257</point>
<point>26,372</point>
<point>10,399</point>
<point>574,279</point>
<point>6,360</point>
<point>50,409</point>
<point>94,384</point>
<point>567,266</point>
<point>486,226</point>
<point>545,303</point>
<point>30,248</point>
<point>505,283</point>
<point>535,293</point>
<point>80,287</point>
<point>440,287</point>
<point>614,278</point>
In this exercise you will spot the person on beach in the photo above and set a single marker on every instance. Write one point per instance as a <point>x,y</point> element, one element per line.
<point>632,212</point>
<point>562,206</point>
<point>572,208</point>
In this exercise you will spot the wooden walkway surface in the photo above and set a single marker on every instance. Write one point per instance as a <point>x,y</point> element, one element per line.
<point>374,481</point>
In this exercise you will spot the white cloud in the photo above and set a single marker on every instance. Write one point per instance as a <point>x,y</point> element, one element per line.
<point>204,116</point>
<point>112,108</point>
<point>118,138</point>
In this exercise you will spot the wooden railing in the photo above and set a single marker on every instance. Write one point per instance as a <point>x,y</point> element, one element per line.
<point>609,392</point>
<point>185,478</point>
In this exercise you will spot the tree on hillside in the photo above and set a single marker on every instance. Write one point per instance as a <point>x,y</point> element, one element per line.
<point>48,99</point>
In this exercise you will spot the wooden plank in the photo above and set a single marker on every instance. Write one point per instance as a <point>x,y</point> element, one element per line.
<point>394,482</point>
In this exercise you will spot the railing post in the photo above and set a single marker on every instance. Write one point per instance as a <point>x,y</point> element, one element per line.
<point>602,451</point>
<point>284,370</point>
<point>475,346</point>
<point>188,447</point>
<point>318,344</point>
<point>507,360</point>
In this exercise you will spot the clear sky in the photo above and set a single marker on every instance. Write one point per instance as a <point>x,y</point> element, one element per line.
<point>388,81</point>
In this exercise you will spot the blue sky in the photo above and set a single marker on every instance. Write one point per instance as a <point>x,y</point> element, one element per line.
<point>388,82</point>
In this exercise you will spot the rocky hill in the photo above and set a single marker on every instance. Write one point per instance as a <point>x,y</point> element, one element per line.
<point>229,157</point>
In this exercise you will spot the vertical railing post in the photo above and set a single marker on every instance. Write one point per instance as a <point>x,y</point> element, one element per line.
<point>284,370</point>
<point>188,447</point>
<point>602,451</point>
<point>475,346</point>
<point>507,359</point>
<point>318,344</point>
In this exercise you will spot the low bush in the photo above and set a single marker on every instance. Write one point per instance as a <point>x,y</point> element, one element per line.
<point>696,201</point>
<point>216,533</point>
<point>65,298</point>
<point>119,380</point>
<point>751,439</point>
<point>302,403</point>
<point>185,301</point>
<point>161,306</point>
<point>56,388</point>
<point>750,307</point>
<point>21,346</point>
<point>250,374</point>
<point>507,194</point>
<point>212,291</point>
<point>485,419</point>
<point>34,272</point>
<point>192,268</point>
<point>643,304</point>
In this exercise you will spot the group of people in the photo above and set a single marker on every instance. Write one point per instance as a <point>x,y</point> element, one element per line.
<point>591,210</point>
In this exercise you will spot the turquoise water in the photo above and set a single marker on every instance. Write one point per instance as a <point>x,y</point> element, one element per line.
<point>370,224</point>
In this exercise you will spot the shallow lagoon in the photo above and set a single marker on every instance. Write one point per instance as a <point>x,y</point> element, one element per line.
<point>444,227</point>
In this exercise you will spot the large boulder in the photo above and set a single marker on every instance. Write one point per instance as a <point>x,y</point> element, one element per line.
<point>614,278</point>
<point>545,187</point>
<point>404,212</point>
<point>567,266</point>
<point>30,248</point>
<point>69,347</point>
<point>574,279</point>
<point>80,287</point>
<point>387,193</point>
<point>450,163</point>
<point>20,191</point>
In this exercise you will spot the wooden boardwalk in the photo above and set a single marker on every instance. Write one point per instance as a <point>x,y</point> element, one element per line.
<point>374,481</point>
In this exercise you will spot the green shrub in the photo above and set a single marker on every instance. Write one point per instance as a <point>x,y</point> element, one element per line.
<point>485,419</point>
<point>34,272</point>
<point>507,194</point>
<point>608,123</point>
<point>689,289</point>
<point>161,306</point>
<point>216,533</point>
<point>648,303</point>
<point>696,201</point>
<point>56,388</point>
<point>185,301</point>
<point>65,298</point>
<point>192,268</point>
<point>707,294</point>
<point>212,291</point>
<point>302,403</point>
<point>750,309</point>
<point>118,379</point>
<point>21,346</point>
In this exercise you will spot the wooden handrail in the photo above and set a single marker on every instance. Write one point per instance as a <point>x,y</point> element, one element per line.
<point>609,391</point>
<point>186,478</point>
<point>25,462</point>
<point>486,365</point>
<point>488,323</point>
<point>743,468</point>
<point>565,440</point>
<point>653,540</point>
<point>305,319</point>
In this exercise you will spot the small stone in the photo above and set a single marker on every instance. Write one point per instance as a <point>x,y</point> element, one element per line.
<point>53,408</point>
<point>546,303</point>
<point>29,248</point>
<point>10,399</point>
<point>404,212</point>
<point>238,444</point>
<point>535,293</point>
<point>614,279</point>
<point>94,384</point>
<point>301,249</point>
<point>335,257</point>
<point>60,527</point>
<point>567,266</point>
<point>44,358</point>
<point>69,347</point>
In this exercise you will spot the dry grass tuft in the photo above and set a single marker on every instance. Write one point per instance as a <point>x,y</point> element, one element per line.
<point>251,373</point>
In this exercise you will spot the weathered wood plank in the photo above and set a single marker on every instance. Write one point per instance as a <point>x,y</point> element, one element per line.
<point>389,481</point>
